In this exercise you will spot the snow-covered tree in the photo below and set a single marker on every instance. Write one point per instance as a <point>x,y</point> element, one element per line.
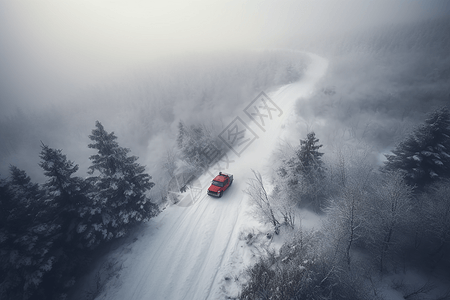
<point>118,189</point>
<point>197,146</point>
<point>170,164</point>
<point>282,202</point>
<point>65,193</point>
<point>347,208</point>
<point>302,174</point>
<point>5,200</point>
<point>182,134</point>
<point>436,216</point>
<point>22,187</point>
<point>311,164</point>
<point>390,211</point>
<point>27,236</point>
<point>6,205</point>
<point>59,170</point>
<point>301,270</point>
<point>424,156</point>
<point>22,206</point>
<point>345,217</point>
<point>265,209</point>
<point>66,201</point>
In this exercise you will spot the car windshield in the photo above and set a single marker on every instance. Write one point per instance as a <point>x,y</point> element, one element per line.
<point>217,183</point>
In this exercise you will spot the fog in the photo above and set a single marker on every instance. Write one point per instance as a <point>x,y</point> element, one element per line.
<point>51,46</point>
<point>141,66</point>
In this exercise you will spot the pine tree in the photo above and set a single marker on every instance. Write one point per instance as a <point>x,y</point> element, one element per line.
<point>27,237</point>
<point>60,171</point>
<point>118,191</point>
<point>5,202</point>
<point>301,175</point>
<point>64,192</point>
<point>181,135</point>
<point>424,156</point>
<point>311,164</point>
<point>6,205</point>
<point>194,142</point>
<point>66,202</point>
<point>23,205</point>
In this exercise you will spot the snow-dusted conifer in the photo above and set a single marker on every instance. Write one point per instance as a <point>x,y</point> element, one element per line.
<point>22,185</point>
<point>196,145</point>
<point>310,158</point>
<point>424,156</point>
<point>26,237</point>
<point>301,175</point>
<point>5,202</point>
<point>181,134</point>
<point>65,195</point>
<point>118,189</point>
<point>59,170</point>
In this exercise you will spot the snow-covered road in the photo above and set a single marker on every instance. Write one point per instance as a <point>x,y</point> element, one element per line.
<point>186,252</point>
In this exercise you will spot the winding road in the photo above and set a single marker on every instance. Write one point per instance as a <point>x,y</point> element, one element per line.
<point>187,251</point>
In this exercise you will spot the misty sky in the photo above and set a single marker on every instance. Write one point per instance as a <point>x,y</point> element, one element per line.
<point>49,47</point>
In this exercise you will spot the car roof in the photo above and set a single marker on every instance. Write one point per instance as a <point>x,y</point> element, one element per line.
<point>219,178</point>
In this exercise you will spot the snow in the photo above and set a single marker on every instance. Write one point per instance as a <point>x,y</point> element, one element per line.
<point>417,158</point>
<point>198,250</point>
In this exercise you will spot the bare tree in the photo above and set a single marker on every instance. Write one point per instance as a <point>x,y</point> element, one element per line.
<point>346,212</point>
<point>390,210</point>
<point>260,198</point>
<point>284,203</point>
<point>345,218</point>
<point>169,163</point>
<point>437,214</point>
<point>349,166</point>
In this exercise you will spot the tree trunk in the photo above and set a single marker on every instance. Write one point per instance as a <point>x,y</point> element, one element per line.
<point>352,232</point>
<point>385,247</point>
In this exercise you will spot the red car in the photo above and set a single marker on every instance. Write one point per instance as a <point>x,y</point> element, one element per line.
<point>219,184</point>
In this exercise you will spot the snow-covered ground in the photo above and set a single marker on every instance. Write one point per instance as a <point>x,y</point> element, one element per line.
<point>198,251</point>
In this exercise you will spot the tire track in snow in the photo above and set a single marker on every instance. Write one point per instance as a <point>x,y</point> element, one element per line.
<point>167,245</point>
<point>232,234</point>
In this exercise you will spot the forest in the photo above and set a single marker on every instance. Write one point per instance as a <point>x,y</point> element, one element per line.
<point>380,179</point>
<point>48,231</point>
<point>372,160</point>
<point>380,222</point>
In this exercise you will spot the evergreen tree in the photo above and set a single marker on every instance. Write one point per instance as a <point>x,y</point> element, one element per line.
<point>6,205</point>
<point>301,175</point>
<point>5,202</point>
<point>22,203</point>
<point>118,190</point>
<point>27,237</point>
<point>424,156</point>
<point>64,192</point>
<point>66,202</point>
<point>22,186</point>
<point>194,143</point>
<point>181,135</point>
<point>60,171</point>
<point>311,164</point>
